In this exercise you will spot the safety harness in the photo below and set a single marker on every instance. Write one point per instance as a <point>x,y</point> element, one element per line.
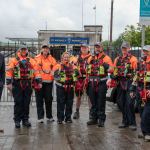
<point>23,71</point>
<point>82,63</point>
<point>82,81</point>
<point>123,67</point>
<point>67,76</point>
<point>96,70</point>
<point>143,78</point>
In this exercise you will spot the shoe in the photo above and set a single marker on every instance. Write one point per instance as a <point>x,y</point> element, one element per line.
<point>50,119</point>
<point>140,136</point>
<point>1,130</point>
<point>41,121</point>
<point>147,138</point>
<point>90,116</point>
<point>26,124</point>
<point>100,123</point>
<point>122,125</point>
<point>17,125</point>
<point>76,115</point>
<point>133,127</point>
<point>91,122</point>
<point>59,121</point>
<point>68,120</point>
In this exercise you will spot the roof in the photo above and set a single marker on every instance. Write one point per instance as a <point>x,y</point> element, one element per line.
<point>23,39</point>
<point>66,31</point>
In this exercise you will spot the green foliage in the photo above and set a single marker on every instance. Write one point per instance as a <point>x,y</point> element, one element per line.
<point>133,35</point>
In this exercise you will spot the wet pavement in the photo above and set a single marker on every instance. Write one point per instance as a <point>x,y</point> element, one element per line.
<point>75,136</point>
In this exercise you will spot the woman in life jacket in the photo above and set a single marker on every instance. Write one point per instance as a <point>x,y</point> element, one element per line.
<point>65,75</point>
<point>82,82</point>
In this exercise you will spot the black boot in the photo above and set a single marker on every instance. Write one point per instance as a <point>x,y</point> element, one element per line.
<point>92,122</point>
<point>100,123</point>
<point>17,124</point>
<point>59,121</point>
<point>122,125</point>
<point>76,115</point>
<point>68,120</point>
<point>26,123</point>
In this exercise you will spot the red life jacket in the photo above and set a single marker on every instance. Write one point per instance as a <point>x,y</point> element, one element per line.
<point>122,65</point>
<point>23,69</point>
<point>68,71</point>
<point>141,71</point>
<point>96,63</point>
<point>82,63</point>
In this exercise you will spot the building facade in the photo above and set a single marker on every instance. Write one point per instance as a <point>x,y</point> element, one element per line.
<point>69,40</point>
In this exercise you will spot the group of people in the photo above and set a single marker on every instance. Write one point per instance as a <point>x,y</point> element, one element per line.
<point>90,73</point>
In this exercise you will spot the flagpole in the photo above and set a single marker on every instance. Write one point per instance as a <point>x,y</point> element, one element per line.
<point>95,15</point>
<point>95,24</point>
<point>111,21</point>
<point>82,16</point>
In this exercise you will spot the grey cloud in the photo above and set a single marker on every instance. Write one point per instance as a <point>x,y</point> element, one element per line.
<point>23,18</point>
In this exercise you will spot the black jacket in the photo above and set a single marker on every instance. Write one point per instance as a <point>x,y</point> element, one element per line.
<point>2,70</point>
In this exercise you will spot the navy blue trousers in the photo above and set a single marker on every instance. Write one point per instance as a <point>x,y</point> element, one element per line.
<point>126,105</point>
<point>145,119</point>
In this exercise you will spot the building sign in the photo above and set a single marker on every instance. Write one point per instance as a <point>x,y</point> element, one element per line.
<point>68,40</point>
<point>145,12</point>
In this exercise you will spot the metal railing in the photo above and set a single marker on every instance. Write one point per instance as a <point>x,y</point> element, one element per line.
<point>9,50</point>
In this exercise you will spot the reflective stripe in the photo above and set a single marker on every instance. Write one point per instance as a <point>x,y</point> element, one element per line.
<point>45,71</point>
<point>38,77</point>
<point>98,79</point>
<point>8,78</point>
<point>59,84</point>
<point>47,81</point>
<point>8,69</point>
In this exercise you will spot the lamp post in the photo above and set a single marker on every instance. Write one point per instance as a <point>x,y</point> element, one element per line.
<point>111,21</point>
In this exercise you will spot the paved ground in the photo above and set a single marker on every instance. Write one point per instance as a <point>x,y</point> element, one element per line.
<point>75,136</point>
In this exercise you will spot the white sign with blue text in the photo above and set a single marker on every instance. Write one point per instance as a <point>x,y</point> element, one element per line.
<point>145,12</point>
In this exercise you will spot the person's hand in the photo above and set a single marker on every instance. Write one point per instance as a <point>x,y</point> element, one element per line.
<point>40,85</point>
<point>9,87</point>
<point>132,95</point>
<point>108,83</point>
<point>148,93</point>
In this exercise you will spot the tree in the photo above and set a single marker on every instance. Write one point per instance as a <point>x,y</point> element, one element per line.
<point>133,35</point>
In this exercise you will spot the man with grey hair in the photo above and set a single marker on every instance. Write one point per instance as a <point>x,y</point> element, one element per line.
<point>125,66</point>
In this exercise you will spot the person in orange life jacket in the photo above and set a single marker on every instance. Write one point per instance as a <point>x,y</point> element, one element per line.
<point>65,74</point>
<point>125,67</point>
<point>45,64</point>
<point>141,88</point>
<point>81,84</point>
<point>98,68</point>
<point>19,76</point>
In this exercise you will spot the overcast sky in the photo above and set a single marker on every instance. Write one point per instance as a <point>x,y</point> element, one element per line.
<point>23,18</point>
